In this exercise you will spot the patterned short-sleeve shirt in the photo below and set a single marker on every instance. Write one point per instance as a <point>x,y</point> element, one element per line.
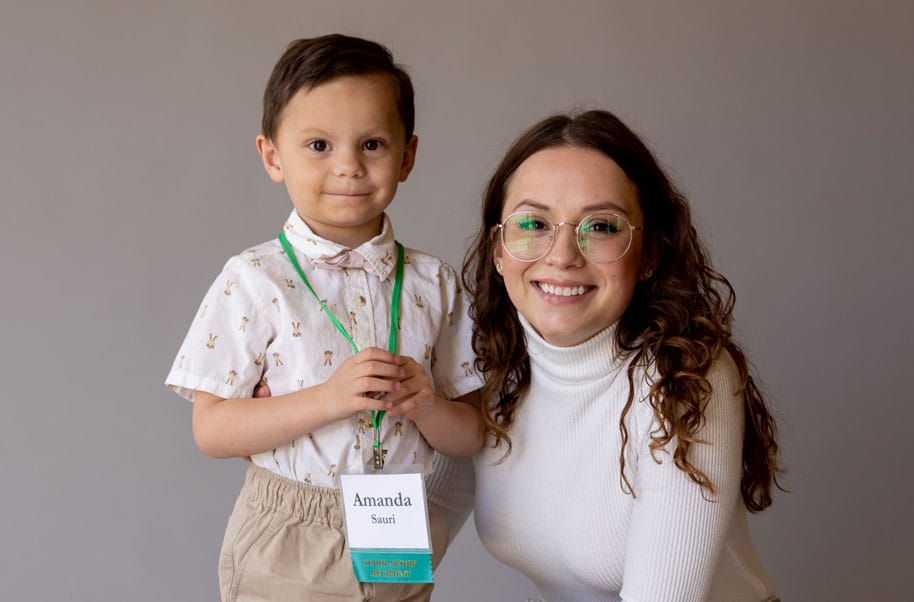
<point>259,323</point>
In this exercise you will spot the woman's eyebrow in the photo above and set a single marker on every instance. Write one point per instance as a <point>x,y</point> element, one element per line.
<point>605,205</point>
<point>532,205</point>
<point>599,206</point>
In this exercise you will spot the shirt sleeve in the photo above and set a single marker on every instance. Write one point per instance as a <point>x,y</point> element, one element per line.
<point>450,489</point>
<point>453,369</point>
<point>678,530</point>
<point>223,352</point>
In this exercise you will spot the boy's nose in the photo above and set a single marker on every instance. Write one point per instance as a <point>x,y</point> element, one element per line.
<point>348,165</point>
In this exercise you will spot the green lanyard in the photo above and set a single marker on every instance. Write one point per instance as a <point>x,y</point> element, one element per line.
<point>376,416</point>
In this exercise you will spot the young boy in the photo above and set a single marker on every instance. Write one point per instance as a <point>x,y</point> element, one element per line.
<point>338,131</point>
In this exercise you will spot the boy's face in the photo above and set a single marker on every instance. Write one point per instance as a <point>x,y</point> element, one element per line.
<point>340,148</point>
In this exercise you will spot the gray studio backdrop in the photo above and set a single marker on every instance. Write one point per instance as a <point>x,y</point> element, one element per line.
<point>129,175</point>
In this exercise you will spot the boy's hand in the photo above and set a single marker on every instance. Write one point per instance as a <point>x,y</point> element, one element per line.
<point>416,397</point>
<point>362,382</point>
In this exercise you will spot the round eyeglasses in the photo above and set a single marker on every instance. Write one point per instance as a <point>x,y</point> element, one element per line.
<point>602,237</point>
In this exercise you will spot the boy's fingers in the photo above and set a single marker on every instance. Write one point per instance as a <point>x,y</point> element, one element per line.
<point>402,407</point>
<point>376,388</point>
<point>394,398</point>
<point>367,403</point>
<point>376,354</point>
<point>378,369</point>
<point>406,361</point>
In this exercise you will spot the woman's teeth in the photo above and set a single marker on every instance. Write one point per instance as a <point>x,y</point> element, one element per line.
<point>562,291</point>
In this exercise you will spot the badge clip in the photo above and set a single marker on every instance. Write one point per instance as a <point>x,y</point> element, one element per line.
<point>378,453</point>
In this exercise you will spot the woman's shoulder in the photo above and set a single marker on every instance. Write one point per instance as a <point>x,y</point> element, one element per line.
<point>723,375</point>
<point>723,378</point>
<point>722,370</point>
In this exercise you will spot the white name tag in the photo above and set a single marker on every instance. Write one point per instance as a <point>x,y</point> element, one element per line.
<point>387,527</point>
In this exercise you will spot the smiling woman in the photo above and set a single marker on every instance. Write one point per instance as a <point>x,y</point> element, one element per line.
<point>627,438</point>
<point>566,296</point>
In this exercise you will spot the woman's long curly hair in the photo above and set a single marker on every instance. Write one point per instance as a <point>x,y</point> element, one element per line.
<point>678,321</point>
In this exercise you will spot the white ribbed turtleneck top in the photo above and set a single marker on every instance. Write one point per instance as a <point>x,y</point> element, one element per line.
<point>555,509</point>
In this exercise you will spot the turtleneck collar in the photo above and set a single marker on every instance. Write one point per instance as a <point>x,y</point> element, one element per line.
<point>380,252</point>
<point>591,360</point>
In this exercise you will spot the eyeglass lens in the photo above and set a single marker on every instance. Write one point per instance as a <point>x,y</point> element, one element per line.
<point>603,237</point>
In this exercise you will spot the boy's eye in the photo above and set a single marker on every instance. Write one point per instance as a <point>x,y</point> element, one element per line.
<point>373,144</point>
<point>319,146</point>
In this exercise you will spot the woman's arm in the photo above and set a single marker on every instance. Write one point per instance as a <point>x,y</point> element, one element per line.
<point>677,529</point>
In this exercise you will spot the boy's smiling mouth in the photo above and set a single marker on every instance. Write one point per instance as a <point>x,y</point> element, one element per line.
<point>347,195</point>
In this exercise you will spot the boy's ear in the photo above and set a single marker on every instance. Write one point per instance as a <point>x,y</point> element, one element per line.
<point>409,158</point>
<point>270,157</point>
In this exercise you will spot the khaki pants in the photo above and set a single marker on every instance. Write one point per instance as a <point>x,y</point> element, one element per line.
<point>285,541</point>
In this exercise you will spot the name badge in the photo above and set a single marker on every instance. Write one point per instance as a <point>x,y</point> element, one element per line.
<point>387,527</point>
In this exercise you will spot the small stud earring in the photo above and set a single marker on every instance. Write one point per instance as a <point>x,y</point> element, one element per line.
<point>647,275</point>
<point>498,268</point>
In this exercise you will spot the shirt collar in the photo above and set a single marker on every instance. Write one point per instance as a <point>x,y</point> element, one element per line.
<point>380,252</point>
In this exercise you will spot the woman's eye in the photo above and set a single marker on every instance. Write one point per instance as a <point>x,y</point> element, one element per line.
<point>373,145</point>
<point>602,225</point>
<point>319,146</point>
<point>531,223</point>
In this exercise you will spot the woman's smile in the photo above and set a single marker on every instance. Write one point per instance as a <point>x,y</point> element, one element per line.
<point>564,295</point>
<point>550,289</point>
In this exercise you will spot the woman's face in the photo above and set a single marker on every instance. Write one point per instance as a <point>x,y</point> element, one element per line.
<point>566,297</point>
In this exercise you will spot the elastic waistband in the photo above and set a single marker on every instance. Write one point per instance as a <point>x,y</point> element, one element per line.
<point>294,498</point>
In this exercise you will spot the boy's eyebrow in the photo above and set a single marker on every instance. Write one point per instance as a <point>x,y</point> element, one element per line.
<point>598,206</point>
<point>375,131</point>
<point>312,130</point>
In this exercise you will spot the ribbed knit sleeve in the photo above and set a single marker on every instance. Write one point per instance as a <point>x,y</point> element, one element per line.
<point>450,490</point>
<point>677,530</point>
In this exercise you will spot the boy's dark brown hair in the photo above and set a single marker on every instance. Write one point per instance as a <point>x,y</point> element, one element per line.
<point>309,62</point>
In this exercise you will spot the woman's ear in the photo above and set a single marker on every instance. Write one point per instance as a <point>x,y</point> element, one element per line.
<point>649,262</point>
<point>269,154</point>
<point>497,252</point>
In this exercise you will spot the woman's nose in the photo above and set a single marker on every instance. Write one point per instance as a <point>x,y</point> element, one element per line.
<point>565,251</point>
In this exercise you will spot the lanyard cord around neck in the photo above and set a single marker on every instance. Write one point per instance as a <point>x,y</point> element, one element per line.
<point>376,416</point>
